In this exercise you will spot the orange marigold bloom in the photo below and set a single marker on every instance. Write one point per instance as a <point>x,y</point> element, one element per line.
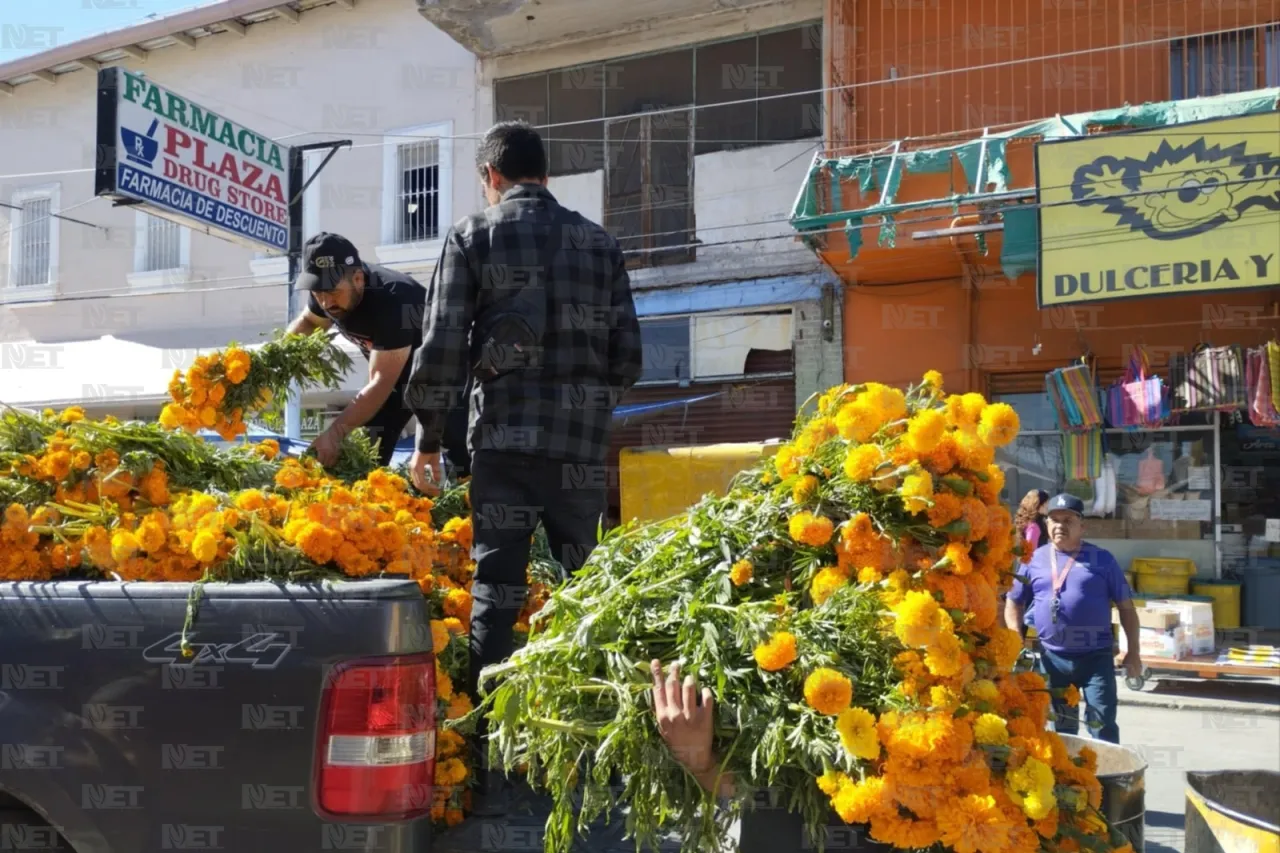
<point>827,691</point>
<point>777,653</point>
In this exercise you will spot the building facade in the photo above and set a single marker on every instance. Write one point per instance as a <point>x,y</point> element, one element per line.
<point>99,304</point>
<point>932,205</point>
<point>684,129</point>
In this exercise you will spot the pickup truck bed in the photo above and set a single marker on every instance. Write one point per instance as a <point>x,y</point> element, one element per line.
<point>113,738</point>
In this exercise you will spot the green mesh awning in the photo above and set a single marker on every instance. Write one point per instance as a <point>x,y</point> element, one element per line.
<point>986,171</point>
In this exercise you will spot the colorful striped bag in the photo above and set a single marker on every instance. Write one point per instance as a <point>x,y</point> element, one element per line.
<point>1138,400</point>
<point>1074,397</point>
<point>1082,455</point>
<point>1259,379</point>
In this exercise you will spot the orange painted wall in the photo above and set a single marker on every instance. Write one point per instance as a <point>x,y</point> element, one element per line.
<point>896,332</point>
<point>1024,58</point>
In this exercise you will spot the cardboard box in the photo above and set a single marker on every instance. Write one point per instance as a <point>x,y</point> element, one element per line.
<point>1196,619</point>
<point>1170,644</point>
<point>1105,528</point>
<point>1157,618</point>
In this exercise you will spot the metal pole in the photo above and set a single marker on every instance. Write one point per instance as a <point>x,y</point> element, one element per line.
<point>293,405</point>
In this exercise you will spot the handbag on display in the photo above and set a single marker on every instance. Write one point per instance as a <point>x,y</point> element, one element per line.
<point>1082,457</point>
<point>1074,397</point>
<point>1138,400</point>
<point>1260,380</point>
<point>1208,379</point>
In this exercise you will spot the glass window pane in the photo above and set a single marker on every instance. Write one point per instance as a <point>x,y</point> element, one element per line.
<point>666,349</point>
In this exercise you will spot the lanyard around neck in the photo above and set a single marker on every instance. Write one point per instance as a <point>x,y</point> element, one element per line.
<point>1060,579</point>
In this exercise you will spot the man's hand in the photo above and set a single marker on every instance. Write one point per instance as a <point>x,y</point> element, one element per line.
<point>685,725</point>
<point>327,446</point>
<point>1133,664</point>
<point>427,472</point>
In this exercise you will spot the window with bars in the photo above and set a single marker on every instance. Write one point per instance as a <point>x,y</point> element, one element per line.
<point>1224,63</point>
<point>32,241</point>
<point>418,193</point>
<point>162,245</point>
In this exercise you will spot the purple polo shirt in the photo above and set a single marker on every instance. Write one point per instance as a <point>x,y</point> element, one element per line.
<point>1084,616</point>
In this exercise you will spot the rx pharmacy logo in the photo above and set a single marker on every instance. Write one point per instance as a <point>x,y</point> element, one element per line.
<point>140,148</point>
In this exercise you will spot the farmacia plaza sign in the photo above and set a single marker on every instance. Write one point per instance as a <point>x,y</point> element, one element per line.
<point>182,161</point>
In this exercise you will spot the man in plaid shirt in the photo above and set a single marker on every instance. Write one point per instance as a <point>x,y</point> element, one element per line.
<point>534,301</point>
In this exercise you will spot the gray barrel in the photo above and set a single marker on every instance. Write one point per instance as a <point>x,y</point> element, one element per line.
<point>771,828</point>
<point>1233,811</point>
<point>1122,772</point>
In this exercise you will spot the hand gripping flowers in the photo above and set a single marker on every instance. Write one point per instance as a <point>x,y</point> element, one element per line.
<point>858,663</point>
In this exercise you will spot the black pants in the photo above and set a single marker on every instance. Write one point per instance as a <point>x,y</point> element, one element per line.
<point>510,494</point>
<point>390,420</point>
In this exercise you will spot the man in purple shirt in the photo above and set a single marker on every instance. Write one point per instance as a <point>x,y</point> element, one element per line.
<point>1070,585</point>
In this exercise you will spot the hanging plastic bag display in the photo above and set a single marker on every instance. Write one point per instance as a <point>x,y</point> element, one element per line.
<point>1208,379</point>
<point>1074,397</point>
<point>1082,455</point>
<point>1138,400</point>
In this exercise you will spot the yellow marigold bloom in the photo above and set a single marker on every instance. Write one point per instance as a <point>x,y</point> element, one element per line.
<point>917,491</point>
<point>208,416</point>
<point>946,509</point>
<point>958,555</point>
<point>71,414</point>
<point>237,363</point>
<point>975,823</point>
<point>459,707</point>
<point>983,690</point>
<point>858,735</point>
<point>943,698</point>
<point>858,422</point>
<point>831,781</point>
<point>933,379</point>
<point>804,489</point>
<point>965,410</point>
<point>861,462</point>
<point>204,547</point>
<point>440,636</point>
<point>859,802</point>
<point>123,545</point>
<point>291,475</point>
<point>777,653</point>
<point>990,730</point>
<point>786,461</point>
<point>15,515</point>
<point>827,691</point>
<point>917,619</point>
<point>269,448</point>
<point>989,490</point>
<point>825,583</point>
<point>998,425</point>
<point>217,393</point>
<point>444,684</point>
<point>457,603</point>
<point>889,403</point>
<point>1003,648</point>
<point>925,430</point>
<point>741,572</point>
<point>151,535</point>
<point>809,529</point>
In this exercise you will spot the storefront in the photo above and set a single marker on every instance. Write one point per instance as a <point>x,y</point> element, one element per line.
<point>997,266</point>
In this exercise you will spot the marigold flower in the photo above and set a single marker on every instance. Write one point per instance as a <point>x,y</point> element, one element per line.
<point>917,619</point>
<point>925,430</point>
<point>825,583</point>
<point>741,572</point>
<point>859,802</point>
<point>858,735</point>
<point>998,424</point>
<point>933,379</point>
<point>804,489</point>
<point>457,603</point>
<point>1072,696</point>
<point>858,422</point>
<point>204,547</point>
<point>786,461</point>
<point>123,545</point>
<point>831,781</point>
<point>917,491</point>
<point>827,691</point>
<point>990,730</point>
<point>809,529</point>
<point>861,462</point>
<point>777,653</point>
<point>975,823</point>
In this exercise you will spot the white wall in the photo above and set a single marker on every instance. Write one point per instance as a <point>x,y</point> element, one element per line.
<point>336,74</point>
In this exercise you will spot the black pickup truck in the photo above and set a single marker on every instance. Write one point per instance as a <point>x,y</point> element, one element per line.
<point>301,718</point>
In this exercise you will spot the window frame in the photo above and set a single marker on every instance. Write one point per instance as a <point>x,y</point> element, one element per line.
<point>49,289</point>
<point>163,279</point>
<point>1185,57</point>
<point>419,255</point>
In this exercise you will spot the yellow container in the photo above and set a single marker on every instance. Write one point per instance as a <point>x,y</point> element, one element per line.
<point>1130,578</point>
<point>1226,601</point>
<point>658,482</point>
<point>1163,575</point>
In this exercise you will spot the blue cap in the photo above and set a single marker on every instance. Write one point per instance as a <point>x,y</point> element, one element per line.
<point>1070,503</point>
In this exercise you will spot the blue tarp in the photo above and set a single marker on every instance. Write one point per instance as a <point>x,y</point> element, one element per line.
<point>404,447</point>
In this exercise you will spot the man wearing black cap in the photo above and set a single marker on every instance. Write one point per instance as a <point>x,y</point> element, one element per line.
<point>380,311</point>
<point>1070,584</point>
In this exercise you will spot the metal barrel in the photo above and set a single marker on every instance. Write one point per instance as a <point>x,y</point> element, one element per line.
<point>1122,773</point>
<point>771,828</point>
<point>1233,811</point>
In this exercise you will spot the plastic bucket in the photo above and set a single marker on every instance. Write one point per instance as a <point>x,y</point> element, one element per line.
<point>1122,774</point>
<point>1226,601</point>
<point>1161,585</point>
<point>1233,811</point>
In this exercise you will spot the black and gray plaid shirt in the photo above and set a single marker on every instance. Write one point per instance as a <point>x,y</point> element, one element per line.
<point>590,352</point>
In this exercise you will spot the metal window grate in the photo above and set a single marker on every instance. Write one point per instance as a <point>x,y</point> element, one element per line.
<point>418,199</point>
<point>163,245</point>
<point>34,239</point>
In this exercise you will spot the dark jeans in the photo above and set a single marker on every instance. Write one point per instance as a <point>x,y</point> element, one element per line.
<point>389,422</point>
<point>510,494</point>
<point>1094,675</point>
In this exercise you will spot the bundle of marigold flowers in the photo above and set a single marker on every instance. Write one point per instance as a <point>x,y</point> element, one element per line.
<point>112,500</point>
<point>222,389</point>
<point>841,603</point>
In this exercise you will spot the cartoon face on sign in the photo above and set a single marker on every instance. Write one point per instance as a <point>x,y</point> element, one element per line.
<point>1178,191</point>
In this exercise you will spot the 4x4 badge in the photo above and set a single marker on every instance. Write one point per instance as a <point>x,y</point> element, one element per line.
<point>260,651</point>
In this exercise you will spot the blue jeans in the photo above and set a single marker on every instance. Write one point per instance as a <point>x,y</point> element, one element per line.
<point>1094,675</point>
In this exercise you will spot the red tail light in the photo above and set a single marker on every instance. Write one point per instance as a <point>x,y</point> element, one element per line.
<point>377,746</point>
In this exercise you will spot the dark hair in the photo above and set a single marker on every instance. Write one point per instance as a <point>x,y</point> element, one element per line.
<point>514,149</point>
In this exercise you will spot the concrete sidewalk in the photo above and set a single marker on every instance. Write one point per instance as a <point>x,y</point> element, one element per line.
<point>1234,696</point>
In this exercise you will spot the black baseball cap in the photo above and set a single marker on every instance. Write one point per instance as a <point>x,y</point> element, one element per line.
<point>1069,503</point>
<point>326,258</point>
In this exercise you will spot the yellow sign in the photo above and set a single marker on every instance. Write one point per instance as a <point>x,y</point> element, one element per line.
<point>1190,208</point>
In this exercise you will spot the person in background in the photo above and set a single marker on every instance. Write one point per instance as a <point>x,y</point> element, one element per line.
<point>1070,586</point>
<point>380,311</point>
<point>1029,521</point>
<point>534,302</point>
